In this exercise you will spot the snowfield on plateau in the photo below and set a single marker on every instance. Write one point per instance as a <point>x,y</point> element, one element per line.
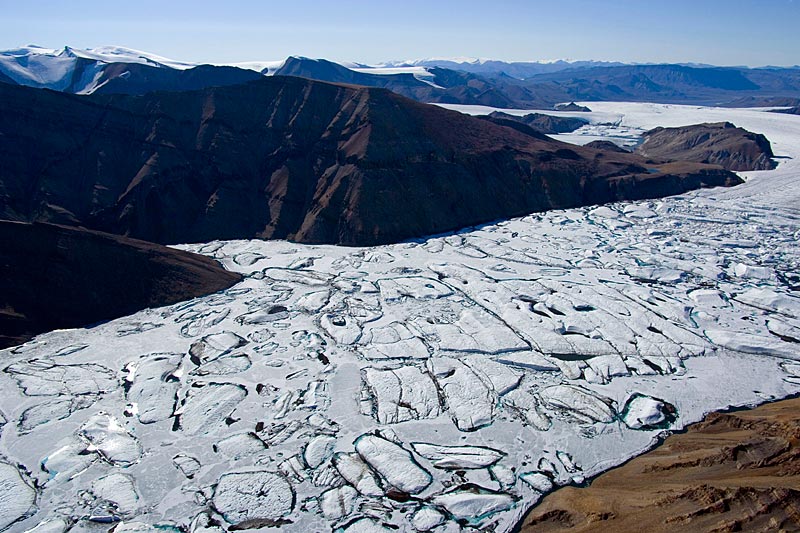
<point>440,385</point>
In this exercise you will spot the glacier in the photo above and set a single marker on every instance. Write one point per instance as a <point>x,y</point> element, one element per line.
<point>444,384</point>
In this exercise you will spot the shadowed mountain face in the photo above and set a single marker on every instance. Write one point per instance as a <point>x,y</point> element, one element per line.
<point>126,78</point>
<point>720,144</point>
<point>54,277</point>
<point>544,123</point>
<point>297,159</point>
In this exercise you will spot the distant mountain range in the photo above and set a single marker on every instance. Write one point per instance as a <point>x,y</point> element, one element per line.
<point>522,85</point>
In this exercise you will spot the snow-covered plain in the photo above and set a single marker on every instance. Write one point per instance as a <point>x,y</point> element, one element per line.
<point>439,385</point>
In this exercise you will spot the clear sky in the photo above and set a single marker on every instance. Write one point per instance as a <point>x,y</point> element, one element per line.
<point>722,32</point>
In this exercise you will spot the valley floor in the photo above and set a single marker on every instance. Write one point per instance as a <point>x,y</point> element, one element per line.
<point>441,385</point>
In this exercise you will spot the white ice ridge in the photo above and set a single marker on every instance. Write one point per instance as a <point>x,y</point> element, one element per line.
<point>425,386</point>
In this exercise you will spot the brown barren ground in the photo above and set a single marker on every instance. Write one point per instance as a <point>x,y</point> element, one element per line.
<point>735,471</point>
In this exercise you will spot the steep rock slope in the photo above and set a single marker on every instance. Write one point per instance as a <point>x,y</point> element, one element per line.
<point>720,144</point>
<point>54,277</point>
<point>731,472</point>
<point>292,158</point>
<point>544,123</point>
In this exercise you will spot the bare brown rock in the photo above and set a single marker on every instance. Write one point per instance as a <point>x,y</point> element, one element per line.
<point>735,471</point>
<point>719,144</point>
<point>543,123</point>
<point>291,158</point>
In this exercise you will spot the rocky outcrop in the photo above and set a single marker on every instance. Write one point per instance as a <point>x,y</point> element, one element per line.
<point>732,472</point>
<point>719,144</point>
<point>54,277</point>
<point>789,111</point>
<point>572,106</point>
<point>608,146</point>
<point>296,159</point>
<point>542,123</point>
<point>761,101</point>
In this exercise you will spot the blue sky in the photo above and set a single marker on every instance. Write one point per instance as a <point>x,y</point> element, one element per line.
<point>723,32</point>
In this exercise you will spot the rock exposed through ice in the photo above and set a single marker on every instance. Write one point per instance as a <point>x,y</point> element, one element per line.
<point>255,498</point>
<point>394,464</point>
<point>458,457</point>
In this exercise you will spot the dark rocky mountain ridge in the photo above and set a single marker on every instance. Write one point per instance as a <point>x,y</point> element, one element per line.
<point>291,158</point>
<point>54,277</point>
<point>719,144</point>
<point>543,123</point>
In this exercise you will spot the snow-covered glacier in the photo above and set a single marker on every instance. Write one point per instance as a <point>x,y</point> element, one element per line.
<point>441,385</point>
